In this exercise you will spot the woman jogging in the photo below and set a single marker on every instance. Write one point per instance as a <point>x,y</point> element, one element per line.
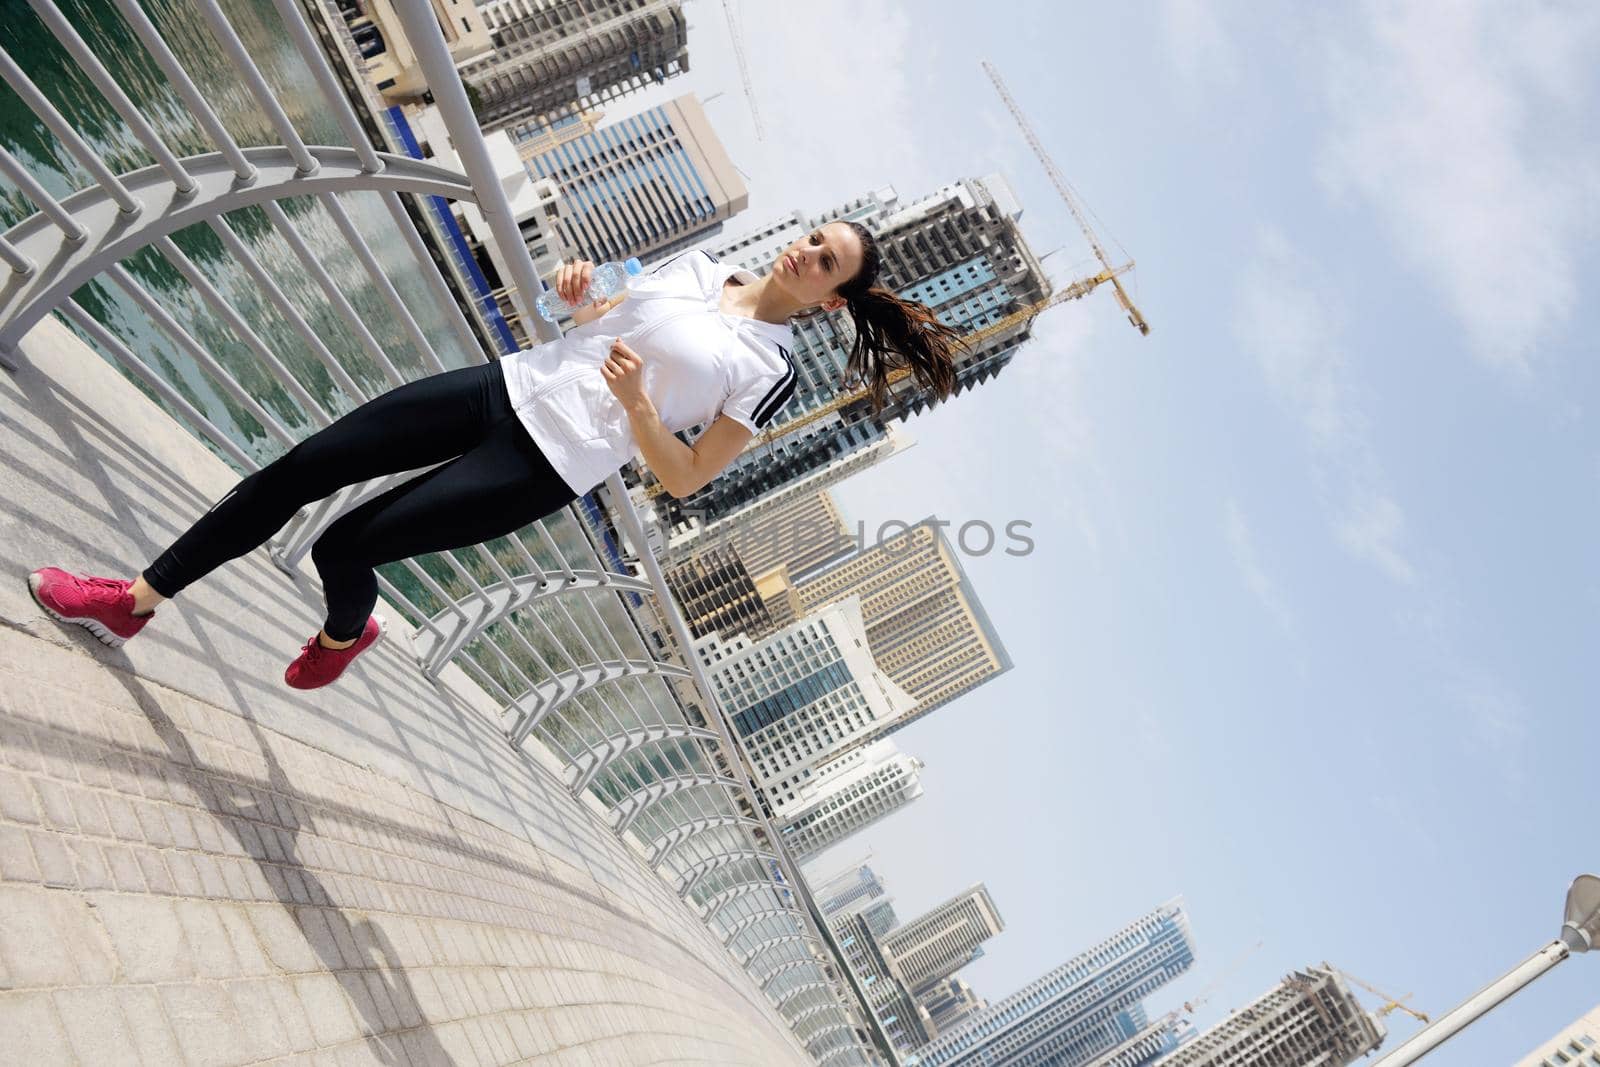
<point>692,342</point>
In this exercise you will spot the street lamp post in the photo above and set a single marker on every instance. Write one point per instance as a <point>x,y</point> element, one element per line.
<point>1580,931</point>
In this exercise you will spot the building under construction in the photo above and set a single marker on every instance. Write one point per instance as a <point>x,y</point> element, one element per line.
<point>1310,1019</point>
<point>553,57</point>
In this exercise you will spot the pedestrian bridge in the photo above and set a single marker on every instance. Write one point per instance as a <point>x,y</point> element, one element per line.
<point>201,865</point>
<point>519,829</point>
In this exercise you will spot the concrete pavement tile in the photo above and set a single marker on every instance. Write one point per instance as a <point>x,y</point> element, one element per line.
<point>213,950</point>
<point>292,1016</point>
<point>147,937</point>
<point>55,864</point>
<point>30,940</point>
<point>282,940</point>
<point>327,1008</point>
<point>17,803</point>
<point>96,1028</point>
<point>147,1025</point>
<point>34,1033</point>
<point>16,856</point>
<point>205,1023</point>
<point>263,1032</point>
<point>125,870</point>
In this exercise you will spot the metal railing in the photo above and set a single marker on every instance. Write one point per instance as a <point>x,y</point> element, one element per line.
<point>587,659</point>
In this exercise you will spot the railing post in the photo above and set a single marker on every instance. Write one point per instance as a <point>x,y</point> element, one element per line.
<point>421,28</point>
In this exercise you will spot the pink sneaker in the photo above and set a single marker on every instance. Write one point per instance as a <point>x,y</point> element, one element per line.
<point>103,606</point>
<point>317,666</point>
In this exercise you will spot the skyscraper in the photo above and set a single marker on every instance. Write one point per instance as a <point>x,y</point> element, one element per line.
<point>1578,1045</point>
<point>902,1018</point>
<point>800,695</point>
<point>554,56</point>
<point>950,1003</point>
<point>800,530</point>
<point>849,794</point>
<point>1088,1006</point>
<point>716,594</point>
<point>647,185</point>
<point>1310,1019</point>
<point>390,61</point>
<point>856,884</point>
<point>942,940</point>
<point>925,623</point>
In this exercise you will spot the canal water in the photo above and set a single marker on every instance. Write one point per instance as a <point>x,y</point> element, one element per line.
<point>36,50</point>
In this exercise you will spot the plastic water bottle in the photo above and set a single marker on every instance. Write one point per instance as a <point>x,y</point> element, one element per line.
<point>607,281</point>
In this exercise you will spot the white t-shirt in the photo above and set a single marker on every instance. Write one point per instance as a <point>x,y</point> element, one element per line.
<point>699,362</point>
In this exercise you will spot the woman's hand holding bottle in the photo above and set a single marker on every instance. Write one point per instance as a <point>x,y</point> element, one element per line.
<point>573,279</point>
<point>586,291</point>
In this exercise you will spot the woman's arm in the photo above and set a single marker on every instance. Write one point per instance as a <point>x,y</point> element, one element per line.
<point>594,311</point>
<point>681,469</point>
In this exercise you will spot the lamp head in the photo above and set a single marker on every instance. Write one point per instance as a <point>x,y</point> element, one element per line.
<point>1580,927</point>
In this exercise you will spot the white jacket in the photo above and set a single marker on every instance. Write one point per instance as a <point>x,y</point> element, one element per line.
<point>699,362</point>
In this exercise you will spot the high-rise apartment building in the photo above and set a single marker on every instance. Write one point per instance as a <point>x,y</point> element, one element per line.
<point>925,623</point>
<point>902,1018</point>
<point>949,1004</point>
<point>714,591</point>
<point>1310,1019</point>
<point>532,201</point>
<point>942,940</point>
<point>1148,1044</point>
<point>559,56</point>
<point>848,794</point>
<point>800,531</point>
<point>855,885</point>
<point>1084,1008</point>
<point>800,695</point>
<point>1577,1045</point>
<point>648,185</point>
<point>390,62</point>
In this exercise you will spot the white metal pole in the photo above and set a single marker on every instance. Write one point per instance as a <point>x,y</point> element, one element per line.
<point>1457,1019</point>
<point>628,518</point>
<point>421,28</point>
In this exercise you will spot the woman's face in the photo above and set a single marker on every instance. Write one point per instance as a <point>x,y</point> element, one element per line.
<point>812,268</point>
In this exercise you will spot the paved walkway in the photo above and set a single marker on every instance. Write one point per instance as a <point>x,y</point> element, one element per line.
<point>201,866</point>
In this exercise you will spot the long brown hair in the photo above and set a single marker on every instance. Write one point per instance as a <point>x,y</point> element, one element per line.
<point>892,333</point>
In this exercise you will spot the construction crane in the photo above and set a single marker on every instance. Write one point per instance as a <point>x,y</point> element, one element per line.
<point>1390,1003</point>
<point>1067,195</point>
<point>736,37</point>
<point>1189,1006</point>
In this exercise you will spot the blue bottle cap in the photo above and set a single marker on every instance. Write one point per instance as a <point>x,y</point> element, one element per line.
<point>633,266</point>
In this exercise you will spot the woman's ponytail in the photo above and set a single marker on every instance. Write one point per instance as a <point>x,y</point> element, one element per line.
<point>894,334</point>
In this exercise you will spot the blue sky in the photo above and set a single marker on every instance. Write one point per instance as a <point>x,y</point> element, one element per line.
<point>1305,633</point>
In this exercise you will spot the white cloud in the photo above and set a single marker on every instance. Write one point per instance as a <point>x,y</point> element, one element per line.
<point>1292,328</point>
<point>1469,129</point>
<point>1241,543</point>
<point>1201,51</point>
<point>835,114</point>
<point>1371,527</point>
<point>1069,476</point>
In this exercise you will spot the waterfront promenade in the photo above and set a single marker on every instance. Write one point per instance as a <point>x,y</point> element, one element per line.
<point>201,866</point>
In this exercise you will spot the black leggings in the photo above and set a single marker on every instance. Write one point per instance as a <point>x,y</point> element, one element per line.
<point>498,482</point>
